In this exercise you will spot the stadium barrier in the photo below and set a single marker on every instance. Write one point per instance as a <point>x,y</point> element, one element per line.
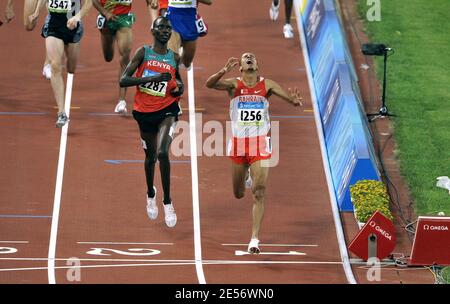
<point>348,141</point>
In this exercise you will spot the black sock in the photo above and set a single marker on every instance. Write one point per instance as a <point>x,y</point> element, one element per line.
<point>151,193</point>
<point>167,201</point>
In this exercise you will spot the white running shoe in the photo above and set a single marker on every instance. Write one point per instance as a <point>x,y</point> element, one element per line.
<point>288,31</point>
<point>171,217</point>
<point>274,11</point>
<point>253,246</point>
<point>152,208</point>
<point>47,71</point>
<point>62,120</point>
<point>121,107</point>
<point>248,180</point>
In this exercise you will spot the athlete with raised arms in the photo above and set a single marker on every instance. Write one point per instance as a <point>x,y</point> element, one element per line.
<point>250,147</point>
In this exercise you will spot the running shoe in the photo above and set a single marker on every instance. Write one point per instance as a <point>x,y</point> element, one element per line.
<point>62,120</point>
<point>152,208</point>
<point>248,180</point>
<point>274,11</point>
<point>288,31</point>
<point>171,217</point>
<point>47,71</point>
<point>253,246</point>
<point>121,107</point>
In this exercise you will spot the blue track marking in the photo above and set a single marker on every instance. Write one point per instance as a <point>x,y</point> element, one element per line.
<point>24,113</point>
<point>131,161</point>
<point>24,216</point>
<point>292,116</point>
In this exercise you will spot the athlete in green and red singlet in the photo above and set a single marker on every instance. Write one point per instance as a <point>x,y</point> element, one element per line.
<point>115,22</point>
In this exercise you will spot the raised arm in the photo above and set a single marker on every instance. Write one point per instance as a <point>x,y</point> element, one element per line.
<point>292,97</point>
<point>215,81</point>
<point>127,79</point>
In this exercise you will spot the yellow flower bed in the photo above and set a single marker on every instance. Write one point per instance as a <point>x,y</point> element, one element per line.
<point>369,196</point>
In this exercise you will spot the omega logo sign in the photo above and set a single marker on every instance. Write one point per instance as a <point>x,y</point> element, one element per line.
<point>434,228</point>
<point>380,230</point>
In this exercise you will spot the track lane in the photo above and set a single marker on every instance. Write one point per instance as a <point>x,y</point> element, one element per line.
<point>297,203</point>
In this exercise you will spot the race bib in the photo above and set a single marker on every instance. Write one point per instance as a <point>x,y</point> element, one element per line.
<point>250,113</point>
<point>202,28</point>
<point>59,6</point>
<point>153,88</point>
<point>100,21</point>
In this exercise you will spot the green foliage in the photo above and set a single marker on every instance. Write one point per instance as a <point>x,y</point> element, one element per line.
<point>369,196</point>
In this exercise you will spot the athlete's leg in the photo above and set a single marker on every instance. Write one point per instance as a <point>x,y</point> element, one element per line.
<point>259,175</point>
<point>55,50</point>
<point>124,38</point>
<point>189,48</point>
<point>238,174</point>
<point>288,10</point>
<point>165,136</point>
<point>29,7</point>
<point>72,51</point>
<point>107,39</point>
<point>153,14</point>
<point>174,42</point>
<point>149,144</point>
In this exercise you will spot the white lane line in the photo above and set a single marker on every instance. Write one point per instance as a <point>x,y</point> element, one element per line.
<point>14,242</point>
<point>122,243</point>
<point>325,161</point>
<point>276,245</point>
<point>182,263</point>
<point>240,252</point>
<point>59,182</point>
<point>194,173</point>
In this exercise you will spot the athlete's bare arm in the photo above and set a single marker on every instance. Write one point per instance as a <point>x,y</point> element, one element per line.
<point>215,81</point>
<point>127,79</point>
<point>178,91</point>
<point>209,2</point>
<point>105,11</point>
<point>72,23</point>
<point>152,5</point>
<point>292,97</point>
<point>33,17</point>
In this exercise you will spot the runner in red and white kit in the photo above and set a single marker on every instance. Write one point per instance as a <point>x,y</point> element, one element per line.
<point>156,109</point>
<point>250,147</point>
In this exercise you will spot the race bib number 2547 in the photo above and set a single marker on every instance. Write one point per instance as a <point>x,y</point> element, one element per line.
<point>59,6</point>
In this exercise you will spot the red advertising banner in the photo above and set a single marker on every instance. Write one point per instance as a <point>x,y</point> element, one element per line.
<point>431,242</point>
<point>380,228</point>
